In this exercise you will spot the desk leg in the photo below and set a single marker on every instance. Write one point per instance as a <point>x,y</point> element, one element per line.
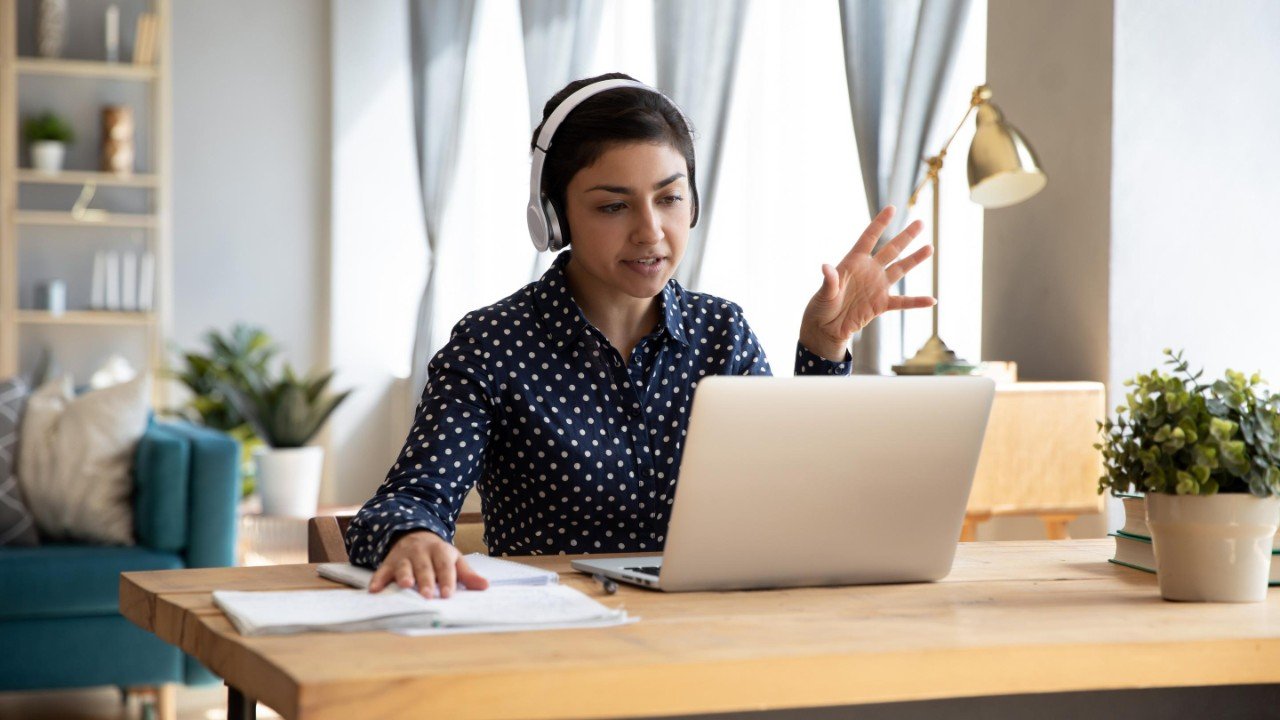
<point>1055,526</point>
<point>239,705</point>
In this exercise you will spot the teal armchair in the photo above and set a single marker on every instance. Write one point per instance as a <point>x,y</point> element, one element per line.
<point>60,621</point>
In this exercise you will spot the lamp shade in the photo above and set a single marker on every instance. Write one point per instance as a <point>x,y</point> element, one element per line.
<point>1003,169</point>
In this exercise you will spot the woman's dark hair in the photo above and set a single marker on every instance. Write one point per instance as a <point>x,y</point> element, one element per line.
<point>620,115</point>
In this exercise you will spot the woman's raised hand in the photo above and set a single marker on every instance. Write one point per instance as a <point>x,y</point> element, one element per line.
<point>856,291</point>
<point>423,558</point>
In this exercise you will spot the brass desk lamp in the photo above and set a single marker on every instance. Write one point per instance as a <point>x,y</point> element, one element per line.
<point>1003,170</point>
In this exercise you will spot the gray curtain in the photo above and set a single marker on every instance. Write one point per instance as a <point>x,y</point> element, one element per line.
<point>440,37</point>
<point>697,54</point>
<point>898,55</point>
<point>559,37</point>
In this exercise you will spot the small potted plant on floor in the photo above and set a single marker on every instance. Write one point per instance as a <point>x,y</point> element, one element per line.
<point>47,138</point>
<point>286,414</point>
<point>1208,459</point>
<point>236,358</point>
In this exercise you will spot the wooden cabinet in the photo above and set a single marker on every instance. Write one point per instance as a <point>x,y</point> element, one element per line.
<point>1038,456</point>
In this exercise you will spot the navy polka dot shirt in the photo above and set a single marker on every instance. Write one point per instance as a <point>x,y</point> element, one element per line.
<point>572,449</point>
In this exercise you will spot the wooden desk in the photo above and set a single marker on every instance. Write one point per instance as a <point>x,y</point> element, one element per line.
<point>1013,617</point>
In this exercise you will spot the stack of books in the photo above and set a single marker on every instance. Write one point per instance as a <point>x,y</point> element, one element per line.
<point>1133,540</point>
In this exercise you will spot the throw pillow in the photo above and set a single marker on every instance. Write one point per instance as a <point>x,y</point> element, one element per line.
<point>17,527</point>
<point>76,459</point>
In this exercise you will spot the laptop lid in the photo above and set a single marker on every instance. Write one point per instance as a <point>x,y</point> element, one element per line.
<point>823,481</point>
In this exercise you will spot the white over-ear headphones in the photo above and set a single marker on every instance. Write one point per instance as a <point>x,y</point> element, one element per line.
<point>544,222</point>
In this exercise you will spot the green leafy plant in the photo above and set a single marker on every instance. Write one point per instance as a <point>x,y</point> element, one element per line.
<point>1175,435</point>
<point>47,127</point>
<point>236,359</point>
<point>288,412</point>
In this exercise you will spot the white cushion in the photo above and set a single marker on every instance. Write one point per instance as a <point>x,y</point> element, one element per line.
<point>76,460</point>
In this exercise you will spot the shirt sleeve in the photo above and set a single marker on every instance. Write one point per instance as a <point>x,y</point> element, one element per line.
<point>442,457</point>
<point>809,363</point>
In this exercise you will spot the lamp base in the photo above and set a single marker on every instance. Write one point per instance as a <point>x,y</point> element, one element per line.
<point>928,358</point>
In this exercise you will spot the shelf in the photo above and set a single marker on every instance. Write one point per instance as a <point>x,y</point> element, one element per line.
<point>64,219</point>
<point>83,177</point>
<point>85,317</point>
<point>85,69</point>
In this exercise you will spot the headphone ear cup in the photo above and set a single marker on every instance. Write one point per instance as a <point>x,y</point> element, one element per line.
<point>555,232</point>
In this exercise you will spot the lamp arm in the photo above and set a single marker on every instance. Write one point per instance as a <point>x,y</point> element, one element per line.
<point>980,95</point>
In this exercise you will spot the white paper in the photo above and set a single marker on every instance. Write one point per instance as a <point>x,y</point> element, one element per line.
<point>622,619</point>
<point>291,611</point>
<point>147,282</point>
<point>519,605</point>
<point>511,607</point>
<point>98,291</point>
<point>112,261</point>
<point>129,281</point>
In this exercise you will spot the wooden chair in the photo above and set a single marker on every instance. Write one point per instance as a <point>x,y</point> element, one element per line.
<point>325,536</point>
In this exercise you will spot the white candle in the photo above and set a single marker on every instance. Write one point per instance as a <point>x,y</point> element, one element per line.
<point>113,33</point>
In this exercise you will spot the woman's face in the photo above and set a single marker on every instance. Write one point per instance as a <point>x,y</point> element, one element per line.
<point>632,204</point>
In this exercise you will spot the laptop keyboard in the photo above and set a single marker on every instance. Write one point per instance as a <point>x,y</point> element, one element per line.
<point>649,570</point>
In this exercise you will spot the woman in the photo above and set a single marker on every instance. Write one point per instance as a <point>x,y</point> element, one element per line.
<point>567,401</point>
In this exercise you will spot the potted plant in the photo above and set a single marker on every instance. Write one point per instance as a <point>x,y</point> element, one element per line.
<point>1208,459</point>
<point>286,414</point>
<point>47,137</point>
<point>237,359</point>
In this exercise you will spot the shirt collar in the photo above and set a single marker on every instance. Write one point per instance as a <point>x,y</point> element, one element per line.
<point>563,320</point>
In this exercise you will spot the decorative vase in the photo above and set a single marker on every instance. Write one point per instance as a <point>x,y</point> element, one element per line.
<point>117,140</point>
<point>51,28</point>
<point>289,480</point>
<point>47,156</point>
<point>1213,548</point>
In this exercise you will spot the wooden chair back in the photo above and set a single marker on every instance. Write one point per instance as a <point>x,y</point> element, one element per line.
<point>325,535</point>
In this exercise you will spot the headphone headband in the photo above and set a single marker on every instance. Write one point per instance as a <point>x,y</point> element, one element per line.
<point>544,225</point>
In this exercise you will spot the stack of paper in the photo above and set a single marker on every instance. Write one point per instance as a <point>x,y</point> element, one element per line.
<point>519,598</point>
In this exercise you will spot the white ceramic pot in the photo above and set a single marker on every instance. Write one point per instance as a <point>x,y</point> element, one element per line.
<point>47,155</point>
<point>1213,548</point>
<point>289,480</point>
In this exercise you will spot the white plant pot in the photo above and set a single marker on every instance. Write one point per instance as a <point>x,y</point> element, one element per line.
<point>289,480</point>
<point>1213,548</point>
<point>47,156</point>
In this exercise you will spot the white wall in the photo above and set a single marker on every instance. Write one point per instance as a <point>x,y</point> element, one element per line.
<point>250,185</point>
<point>378,244</point>
<point>1045,261</point>
<point>1194,250</point>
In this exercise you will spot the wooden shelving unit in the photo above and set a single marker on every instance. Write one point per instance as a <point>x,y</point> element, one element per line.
<point>85,68</point>
<point>105,79</point>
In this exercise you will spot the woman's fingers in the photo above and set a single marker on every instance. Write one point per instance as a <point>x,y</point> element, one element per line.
<point>910,302</point>
<point>469,578</point>
<point>895,271</point>
<point>380,578</point>
<point>404,573</point>
<point>426,574</point>
<point>894,247</point>
<point>878,225</point>
<point>446,575</point>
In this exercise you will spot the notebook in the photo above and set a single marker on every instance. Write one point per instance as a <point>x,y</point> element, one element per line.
<point>525,607</point>
<point>519,597</point>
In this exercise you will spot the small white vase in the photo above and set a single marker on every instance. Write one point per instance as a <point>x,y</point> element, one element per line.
<point>289,480</point>
<point>1213,548</point>
<point>47,156</point>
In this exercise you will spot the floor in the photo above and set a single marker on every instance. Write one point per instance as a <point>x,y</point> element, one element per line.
<point>198,703</point>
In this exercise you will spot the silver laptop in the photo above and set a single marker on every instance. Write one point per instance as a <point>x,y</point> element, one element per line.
<point>789,482</point>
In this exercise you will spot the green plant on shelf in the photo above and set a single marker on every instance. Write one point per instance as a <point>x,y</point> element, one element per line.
<point>237,359</point>
<point>47,127</point>
<point>1175,435</point>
